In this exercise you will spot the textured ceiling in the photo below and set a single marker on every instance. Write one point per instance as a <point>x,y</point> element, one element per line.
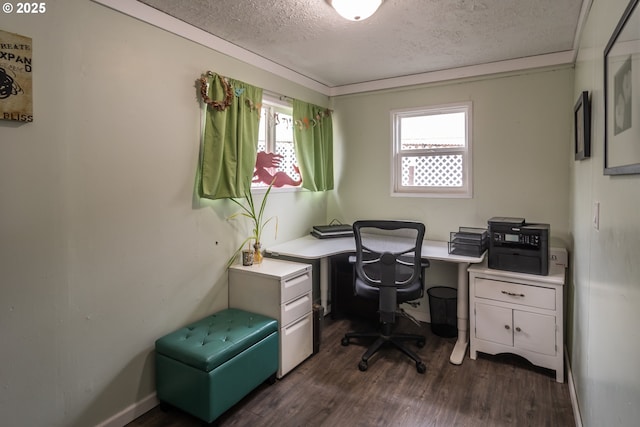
<point>405,37</point>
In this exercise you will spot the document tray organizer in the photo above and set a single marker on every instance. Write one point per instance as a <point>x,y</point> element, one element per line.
<point>468,241</point>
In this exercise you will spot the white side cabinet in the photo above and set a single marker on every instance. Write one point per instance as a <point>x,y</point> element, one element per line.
<point>281,290</point>
<point>518,313</point>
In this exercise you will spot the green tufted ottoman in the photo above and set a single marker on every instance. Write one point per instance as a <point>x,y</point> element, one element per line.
<point>208,366</point>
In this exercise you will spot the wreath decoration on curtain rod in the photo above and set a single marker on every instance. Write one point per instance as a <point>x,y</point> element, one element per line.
<point>228,93</point>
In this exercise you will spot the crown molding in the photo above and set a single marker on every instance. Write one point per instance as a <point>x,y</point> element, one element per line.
<point>532,62</point>
<point>180,28</point>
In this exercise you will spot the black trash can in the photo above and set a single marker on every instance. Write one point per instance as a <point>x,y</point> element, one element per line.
<point>443,306</point>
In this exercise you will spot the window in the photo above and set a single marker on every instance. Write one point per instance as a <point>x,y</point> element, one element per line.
<point>432,151</point>
<point>276,161</point>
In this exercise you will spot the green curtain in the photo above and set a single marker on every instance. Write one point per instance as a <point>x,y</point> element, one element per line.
<point>230,137</point>
<point>313,140</point>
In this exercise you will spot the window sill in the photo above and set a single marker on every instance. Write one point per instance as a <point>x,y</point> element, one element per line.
<point>433,195</point>
<point>285,189</point>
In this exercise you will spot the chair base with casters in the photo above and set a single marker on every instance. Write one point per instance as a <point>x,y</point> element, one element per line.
<point>386,337</point>
<point>388,267</point>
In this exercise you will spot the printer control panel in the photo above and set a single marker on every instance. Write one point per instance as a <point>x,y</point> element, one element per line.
<point>520,239</point>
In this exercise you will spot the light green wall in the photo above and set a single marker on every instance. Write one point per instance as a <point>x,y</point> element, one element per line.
<point>103,247</point>
<point>521,124</point>
<point>520,127</point>
<point>606,271</point>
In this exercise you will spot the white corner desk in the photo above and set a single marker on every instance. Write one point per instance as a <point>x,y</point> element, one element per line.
<point>311,248</point>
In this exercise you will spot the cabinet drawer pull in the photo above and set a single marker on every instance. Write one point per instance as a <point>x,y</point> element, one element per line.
<point>507,327</point>
<point>518,329</point>
<point>293,281</point>
<point>513,294</point>
<point>296,325</point>
<point>304,299</point>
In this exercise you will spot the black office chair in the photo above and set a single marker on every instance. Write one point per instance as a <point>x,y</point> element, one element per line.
<point>388,267</point>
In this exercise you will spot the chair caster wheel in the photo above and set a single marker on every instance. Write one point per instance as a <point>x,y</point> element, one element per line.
<point>363,365</point>
<point>421,367</point>
<point>345,341</point>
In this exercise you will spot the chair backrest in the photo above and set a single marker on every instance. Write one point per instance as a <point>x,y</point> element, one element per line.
<point>388,252</point>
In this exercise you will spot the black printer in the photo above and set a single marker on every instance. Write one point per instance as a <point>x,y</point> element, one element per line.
<point>517,246</point>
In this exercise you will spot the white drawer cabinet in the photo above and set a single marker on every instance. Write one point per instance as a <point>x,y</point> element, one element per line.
<point>282,290</point>
<point>518,313</point>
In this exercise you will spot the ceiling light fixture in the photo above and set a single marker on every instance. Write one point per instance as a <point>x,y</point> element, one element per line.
<point>355,10</point>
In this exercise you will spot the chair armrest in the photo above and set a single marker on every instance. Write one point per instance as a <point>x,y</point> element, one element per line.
<point>424,263</point>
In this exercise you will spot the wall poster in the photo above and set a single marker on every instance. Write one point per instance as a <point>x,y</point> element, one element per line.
<point>16,96</point>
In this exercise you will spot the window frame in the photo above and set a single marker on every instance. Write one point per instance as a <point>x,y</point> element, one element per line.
<point>285,107</point>
<point>397,154</point>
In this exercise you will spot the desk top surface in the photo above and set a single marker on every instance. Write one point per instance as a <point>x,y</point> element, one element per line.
<point>309,247</point>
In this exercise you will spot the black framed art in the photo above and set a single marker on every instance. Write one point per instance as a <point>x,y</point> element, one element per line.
<point>622,95</point>
<point>582,127</point>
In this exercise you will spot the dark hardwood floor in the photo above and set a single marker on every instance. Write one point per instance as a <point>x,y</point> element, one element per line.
<point>329,390</point>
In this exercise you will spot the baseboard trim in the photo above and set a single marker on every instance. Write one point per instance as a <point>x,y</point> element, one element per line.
<point>572,391</point>
<point>132,412</point>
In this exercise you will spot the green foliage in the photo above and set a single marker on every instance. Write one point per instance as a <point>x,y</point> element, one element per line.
<point>258,222</point>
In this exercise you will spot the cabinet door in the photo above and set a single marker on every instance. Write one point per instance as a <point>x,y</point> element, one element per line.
<point>534,332</point>
<point>494,324</point>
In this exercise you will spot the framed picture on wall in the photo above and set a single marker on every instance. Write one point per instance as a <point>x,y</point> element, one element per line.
<point>582,127</point>
<point>622,95</point>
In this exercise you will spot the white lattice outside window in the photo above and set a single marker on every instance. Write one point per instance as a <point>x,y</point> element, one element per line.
<point>432,151</point>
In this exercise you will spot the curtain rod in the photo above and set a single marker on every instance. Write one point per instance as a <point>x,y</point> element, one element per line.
<point>265,91</point>
<point>277,95</point>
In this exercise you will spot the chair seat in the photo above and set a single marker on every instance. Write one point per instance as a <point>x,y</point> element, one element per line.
<point>410,292</point>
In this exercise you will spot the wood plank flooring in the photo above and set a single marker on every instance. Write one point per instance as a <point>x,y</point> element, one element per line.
<point>329,390</point>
